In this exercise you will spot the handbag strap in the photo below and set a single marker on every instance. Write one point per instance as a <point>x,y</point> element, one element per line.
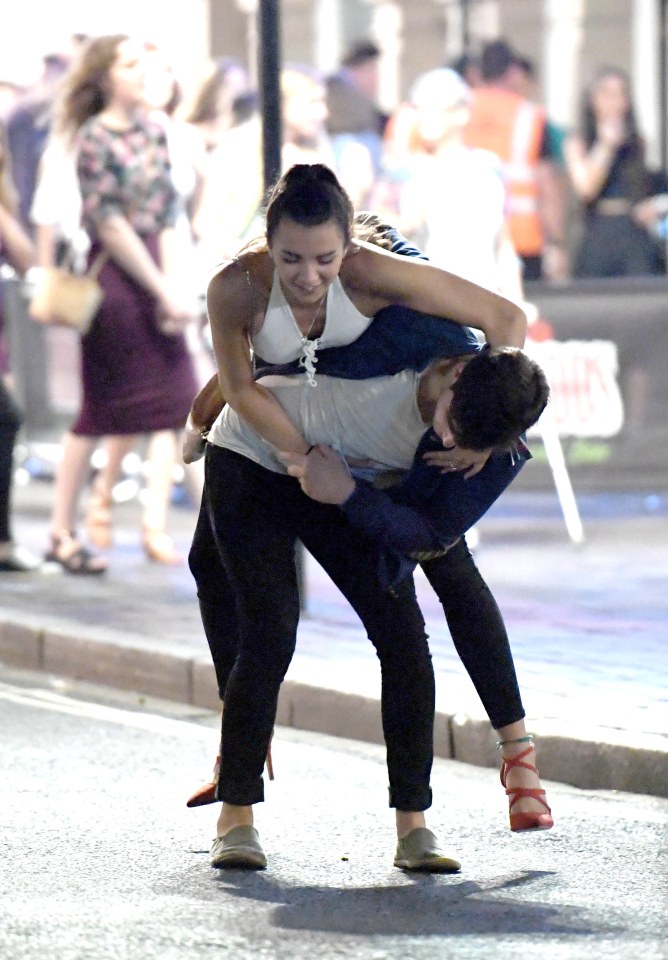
<point>97,264</point>
<point>254,305</point>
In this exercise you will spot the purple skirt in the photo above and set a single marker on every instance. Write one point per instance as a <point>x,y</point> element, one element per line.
<point>135,379</point>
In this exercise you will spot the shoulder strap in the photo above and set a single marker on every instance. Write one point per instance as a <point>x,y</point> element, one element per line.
<point>253,294</point>
<point>97,264</point>
<point>253,300</point>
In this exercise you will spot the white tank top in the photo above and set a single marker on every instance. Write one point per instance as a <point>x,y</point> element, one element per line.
<point>280,340</point>
<point>376,420</point>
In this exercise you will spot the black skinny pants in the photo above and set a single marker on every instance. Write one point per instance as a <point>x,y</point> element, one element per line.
<point>478,632</point>
<point>10,423</point>
<point>243,561</point>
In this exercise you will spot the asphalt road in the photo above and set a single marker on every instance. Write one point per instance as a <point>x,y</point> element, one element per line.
<point>102,860</point>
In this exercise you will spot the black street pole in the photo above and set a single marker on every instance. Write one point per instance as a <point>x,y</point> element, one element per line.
<point>269,61</point>
<point>270,91</point>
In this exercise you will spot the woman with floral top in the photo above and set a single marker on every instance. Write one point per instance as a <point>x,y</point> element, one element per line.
<point>136,370</point>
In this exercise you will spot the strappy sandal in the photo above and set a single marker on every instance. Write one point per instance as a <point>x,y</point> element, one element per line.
<point>73,557</point>
<point>524,821</point>
<point>97,520</point>
<point>207,792</point>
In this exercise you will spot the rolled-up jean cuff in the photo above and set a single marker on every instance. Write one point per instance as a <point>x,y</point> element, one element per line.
<point>239,794</point>
<point>411,801</point>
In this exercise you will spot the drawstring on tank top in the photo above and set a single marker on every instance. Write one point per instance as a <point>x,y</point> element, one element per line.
<point>309,359</point>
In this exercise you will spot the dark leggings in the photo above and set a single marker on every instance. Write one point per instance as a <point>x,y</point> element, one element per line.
<point>10,423</point>
<point>478,632</point>
<point>471,612</point>
<point>242,559</point>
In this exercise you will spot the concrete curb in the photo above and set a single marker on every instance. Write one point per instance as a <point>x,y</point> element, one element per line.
<point>589,758</point>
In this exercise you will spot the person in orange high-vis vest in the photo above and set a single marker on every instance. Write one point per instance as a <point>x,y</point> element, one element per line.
<point>514,128</point>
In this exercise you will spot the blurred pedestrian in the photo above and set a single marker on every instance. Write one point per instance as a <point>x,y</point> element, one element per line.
<point>524,83</point>
<point>162,97</point>
<point>468,67</point>
<point>608,171</point>
<point>353,114</point>
<point>515,129</point>
<point>56,213</point>
<point>28,127</point>
<point>16,250</point>
<point>609,174</point>
<point>137,371</point>
<point>231,207</point>
<point>211,109</point>
<point>452,198</point>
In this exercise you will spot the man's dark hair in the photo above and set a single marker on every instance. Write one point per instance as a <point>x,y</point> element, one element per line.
<point>526,65</point>
<point>463,63</point>
<point>360,53</point>
<point>499,394</point>
<point>497,57</point>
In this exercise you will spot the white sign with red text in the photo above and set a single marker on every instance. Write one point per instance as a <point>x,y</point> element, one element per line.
<point>585,397</point>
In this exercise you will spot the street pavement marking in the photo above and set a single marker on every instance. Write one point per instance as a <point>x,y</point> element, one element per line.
<point>58,703</point>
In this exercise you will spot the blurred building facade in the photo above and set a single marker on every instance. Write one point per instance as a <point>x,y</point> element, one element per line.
<point>566,39</point>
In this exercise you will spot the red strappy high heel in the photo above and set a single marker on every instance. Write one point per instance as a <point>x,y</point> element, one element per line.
<point>207,792</point>
<point>524,821</point>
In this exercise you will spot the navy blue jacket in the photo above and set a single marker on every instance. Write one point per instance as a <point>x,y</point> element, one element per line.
<point>427,511</point>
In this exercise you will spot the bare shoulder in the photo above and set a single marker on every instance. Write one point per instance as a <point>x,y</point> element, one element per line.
<point>237,289</point>
<point>368,269</point>
<point>364,264</point>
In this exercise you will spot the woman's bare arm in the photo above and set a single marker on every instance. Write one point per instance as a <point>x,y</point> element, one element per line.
<point>588,169</point>
<point>127,249</point>
<point>230,308</point>
<point>378,278</point>
<point>207,405</point>
<point>125,246</point>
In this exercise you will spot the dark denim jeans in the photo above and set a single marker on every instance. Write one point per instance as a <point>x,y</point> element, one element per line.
<point>249,523</point>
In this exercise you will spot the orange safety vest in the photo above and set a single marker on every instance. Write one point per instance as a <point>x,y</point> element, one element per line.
<point>512,127</point>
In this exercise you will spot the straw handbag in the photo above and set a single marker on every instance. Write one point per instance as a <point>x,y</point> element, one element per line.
<point>64,299</point>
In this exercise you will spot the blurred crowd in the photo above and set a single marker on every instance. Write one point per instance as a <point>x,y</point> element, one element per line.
<point>111,149</point>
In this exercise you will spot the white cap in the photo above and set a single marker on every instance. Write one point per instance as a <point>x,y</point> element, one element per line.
<point>442,88</point>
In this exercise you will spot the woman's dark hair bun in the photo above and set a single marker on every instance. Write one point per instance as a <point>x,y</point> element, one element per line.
<point>310,171</point>
<point>309,194</point>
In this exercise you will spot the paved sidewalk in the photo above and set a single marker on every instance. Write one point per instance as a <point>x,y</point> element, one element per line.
<point>588,626</point>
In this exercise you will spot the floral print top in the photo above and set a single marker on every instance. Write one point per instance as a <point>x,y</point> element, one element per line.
<point>125,172</point>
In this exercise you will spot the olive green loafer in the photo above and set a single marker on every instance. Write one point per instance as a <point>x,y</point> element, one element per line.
<point>239,849</point>
<point>419,850</point>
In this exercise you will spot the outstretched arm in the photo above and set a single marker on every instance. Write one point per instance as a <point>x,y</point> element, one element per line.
<point>379,278</point>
